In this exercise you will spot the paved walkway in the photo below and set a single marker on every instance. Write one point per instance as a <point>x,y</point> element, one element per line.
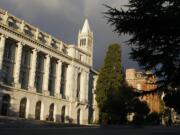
<point>14,126</point>
<point>92,131</point>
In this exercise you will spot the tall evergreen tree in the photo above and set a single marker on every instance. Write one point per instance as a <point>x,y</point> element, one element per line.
<point>109,82</point>
<point>154,29</point>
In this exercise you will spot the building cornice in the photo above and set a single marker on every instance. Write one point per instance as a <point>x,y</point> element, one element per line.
<point>34,39</point>
<point>10,88</point>
<point>38,43</point>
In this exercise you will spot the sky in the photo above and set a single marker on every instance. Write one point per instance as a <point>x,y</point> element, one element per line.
<point>64,18</point>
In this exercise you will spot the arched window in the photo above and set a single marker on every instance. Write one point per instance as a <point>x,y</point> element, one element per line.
<point>83,41</point>
<point>78,116</point>
<point>63,114</point>
<point>38,111</point>
<point>51,112</point>
<point>22,110</point>
<point>5,105</point>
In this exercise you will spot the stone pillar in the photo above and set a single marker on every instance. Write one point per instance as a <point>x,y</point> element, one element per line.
<point>83,87</point>
<point>46,75</point>
<point>17,65</point>
<point>58,78</point>
<point>2,46</point>
<point>32,71</point>
<point>70,82</point>
<point>87,86</point>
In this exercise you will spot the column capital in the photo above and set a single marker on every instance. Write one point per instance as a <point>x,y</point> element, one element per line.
<point>35,50</point>
<point>20,43</point>
<point>59,61</point>
<point>70,65</point>
<point>64,62</point>
<point>3,36</point>
<point>47,56</point>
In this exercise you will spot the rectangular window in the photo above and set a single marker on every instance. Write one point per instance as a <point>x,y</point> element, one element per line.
<point>78,86</point>
<point>52,76</point>
<point>83,41</point>
<point>63,80</point>
<point>8,62</point>
<point>25,67</point>
<point>23,78</point>
<point>39,72</point>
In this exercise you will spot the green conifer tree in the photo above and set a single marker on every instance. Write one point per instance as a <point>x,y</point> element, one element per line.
<point>108,89</point>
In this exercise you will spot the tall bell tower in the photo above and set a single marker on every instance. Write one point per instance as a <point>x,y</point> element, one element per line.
<point>85,40</point>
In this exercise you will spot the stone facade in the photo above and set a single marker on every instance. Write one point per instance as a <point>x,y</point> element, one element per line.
<point>43,78</point>
<point>144,82</point>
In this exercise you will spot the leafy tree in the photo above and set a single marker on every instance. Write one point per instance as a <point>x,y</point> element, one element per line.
<point>154,29</point>
<point>108,89</point>
<point>114,97</point>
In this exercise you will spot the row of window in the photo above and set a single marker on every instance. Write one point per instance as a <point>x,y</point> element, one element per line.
<point>8,66</point>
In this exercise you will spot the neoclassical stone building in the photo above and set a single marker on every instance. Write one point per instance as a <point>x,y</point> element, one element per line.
<point>43,78</point>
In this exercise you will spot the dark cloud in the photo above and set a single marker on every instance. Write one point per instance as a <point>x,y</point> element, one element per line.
<point>64,18</point>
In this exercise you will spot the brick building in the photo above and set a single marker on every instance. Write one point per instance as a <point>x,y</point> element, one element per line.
<point>144,82</point>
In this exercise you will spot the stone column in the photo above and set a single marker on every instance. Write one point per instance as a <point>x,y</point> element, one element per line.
<point>70,82</point>
<point>58,78</point>
<point>87,86</point>
<point>82,85</point>
<point>85,83</point>
<point>17,65</point>
<point>2,46</point>
<point>46,75</point>
<point>32,71</point>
